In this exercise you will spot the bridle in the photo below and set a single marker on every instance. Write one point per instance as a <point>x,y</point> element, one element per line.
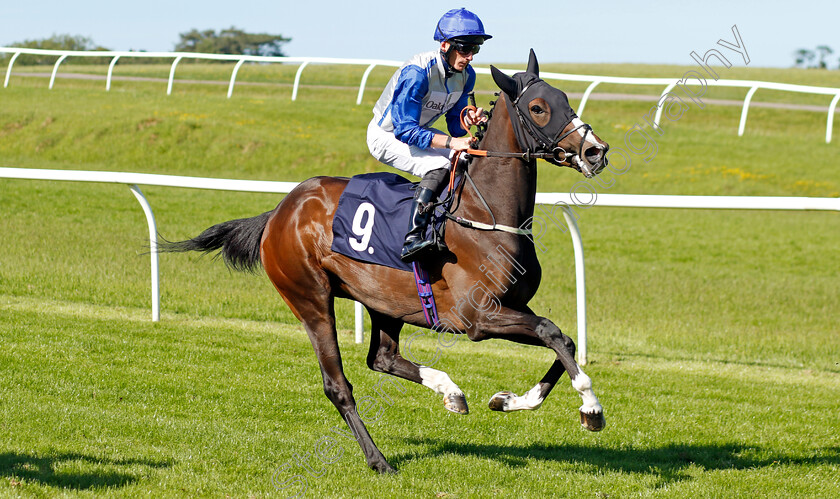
<point>555,155</point>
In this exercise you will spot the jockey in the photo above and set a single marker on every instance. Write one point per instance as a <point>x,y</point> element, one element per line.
<point>426,87</point>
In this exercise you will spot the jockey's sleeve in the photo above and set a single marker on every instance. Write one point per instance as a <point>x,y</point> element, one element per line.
<point>453,116</point>
<point>407,106</point>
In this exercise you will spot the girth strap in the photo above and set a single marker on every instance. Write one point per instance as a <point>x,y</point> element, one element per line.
<point>424,291</point>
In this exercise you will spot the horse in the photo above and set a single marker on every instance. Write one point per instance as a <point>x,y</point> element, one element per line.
<point>482,286</point>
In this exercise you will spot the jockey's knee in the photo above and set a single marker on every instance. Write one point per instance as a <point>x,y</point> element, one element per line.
<point>434,180</point>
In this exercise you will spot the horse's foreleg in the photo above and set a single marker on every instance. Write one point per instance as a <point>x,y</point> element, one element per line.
<point>530,329</point>
<point>591,412</point>
<point>384,356</point>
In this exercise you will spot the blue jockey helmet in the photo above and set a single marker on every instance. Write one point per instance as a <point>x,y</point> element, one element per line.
<point>462,24</point>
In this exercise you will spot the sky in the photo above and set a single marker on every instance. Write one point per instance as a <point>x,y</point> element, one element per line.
<point>643,31</point>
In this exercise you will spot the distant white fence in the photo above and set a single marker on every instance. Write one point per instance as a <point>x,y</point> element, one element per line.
<point>178,56</point>
<point>564,200</point>
<point>668,84</point>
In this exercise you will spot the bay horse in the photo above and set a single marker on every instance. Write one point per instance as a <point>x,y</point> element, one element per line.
<point>482,286</point>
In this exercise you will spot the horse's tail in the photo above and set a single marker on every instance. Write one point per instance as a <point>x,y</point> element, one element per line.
<point>239,241</point>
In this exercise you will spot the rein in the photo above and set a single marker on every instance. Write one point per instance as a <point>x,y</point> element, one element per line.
<point>472,224</point>
<point>446,204</point>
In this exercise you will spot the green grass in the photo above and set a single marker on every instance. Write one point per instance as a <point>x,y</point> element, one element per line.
<point>98,400</point>
<point>714,343</point>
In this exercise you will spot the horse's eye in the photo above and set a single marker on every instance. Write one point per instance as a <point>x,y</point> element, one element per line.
<point>537,110</point>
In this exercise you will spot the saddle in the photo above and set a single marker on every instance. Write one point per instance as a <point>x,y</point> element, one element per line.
<point>369,223</point>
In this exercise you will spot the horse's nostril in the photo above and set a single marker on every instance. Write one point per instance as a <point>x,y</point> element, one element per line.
<point>593,154</point>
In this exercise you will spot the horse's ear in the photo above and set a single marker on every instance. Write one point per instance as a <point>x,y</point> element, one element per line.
<point>505,82</point>
<point>533,65</point>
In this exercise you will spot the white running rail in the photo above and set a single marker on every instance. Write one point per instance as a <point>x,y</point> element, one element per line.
<point>557,199</point>
<point>668,84</point>
<point>179,56</point>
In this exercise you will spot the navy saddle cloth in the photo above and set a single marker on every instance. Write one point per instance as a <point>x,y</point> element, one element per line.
<point>372,219</point>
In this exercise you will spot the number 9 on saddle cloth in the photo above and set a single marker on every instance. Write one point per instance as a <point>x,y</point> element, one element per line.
<point>369,223</point>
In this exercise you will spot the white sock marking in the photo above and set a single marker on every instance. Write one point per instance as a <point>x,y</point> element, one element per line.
<point>583,385</point>
<point>438,381</point>
<point>527,402</point>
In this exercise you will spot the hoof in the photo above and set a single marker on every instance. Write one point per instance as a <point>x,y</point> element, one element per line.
<point>383,468</point>
<point>593,422</point>
<point>456,402</point>
<point>498,402</point>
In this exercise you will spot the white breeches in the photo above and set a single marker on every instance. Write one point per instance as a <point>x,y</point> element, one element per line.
<point>385,147</point>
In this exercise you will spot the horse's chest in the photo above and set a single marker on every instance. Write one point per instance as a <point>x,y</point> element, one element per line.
<point>512,276</point>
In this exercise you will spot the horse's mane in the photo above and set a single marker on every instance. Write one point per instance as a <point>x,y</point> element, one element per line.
<point>482,129</point>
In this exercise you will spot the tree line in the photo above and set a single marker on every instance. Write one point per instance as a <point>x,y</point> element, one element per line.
<point>226,41</point>
<point>817,58</point>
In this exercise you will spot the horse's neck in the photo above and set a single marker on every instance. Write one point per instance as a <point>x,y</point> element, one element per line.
<point>508,185</point>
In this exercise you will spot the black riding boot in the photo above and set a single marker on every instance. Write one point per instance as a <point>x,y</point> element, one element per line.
<point>415,241</point>
<point>418,221</point>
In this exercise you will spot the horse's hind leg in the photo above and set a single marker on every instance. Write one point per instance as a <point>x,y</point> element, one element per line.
<point>320,326</point>
<point>294,241</point>
<point>384,356</point>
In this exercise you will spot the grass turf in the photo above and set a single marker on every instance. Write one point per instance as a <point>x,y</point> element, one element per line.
<point>97,400</point>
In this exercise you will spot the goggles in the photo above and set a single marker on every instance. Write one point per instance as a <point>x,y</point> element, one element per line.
<point>466,48</point>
